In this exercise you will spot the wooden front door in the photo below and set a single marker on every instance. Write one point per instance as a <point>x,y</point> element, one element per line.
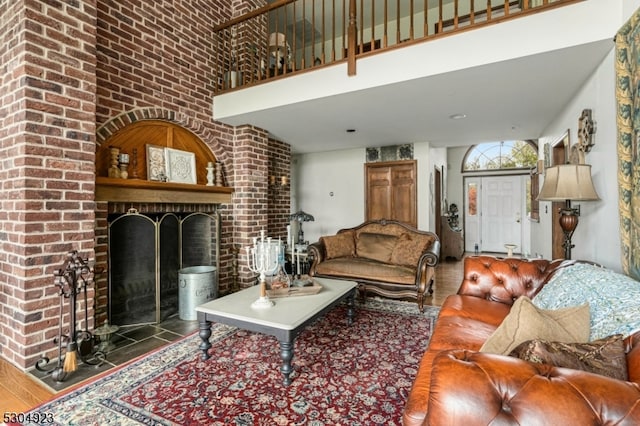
<point>391,191</point>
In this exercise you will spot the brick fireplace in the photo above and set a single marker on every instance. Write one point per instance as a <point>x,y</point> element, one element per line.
<point>75,72</point>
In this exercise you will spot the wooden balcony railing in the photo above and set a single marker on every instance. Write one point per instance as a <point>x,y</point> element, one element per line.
<point>286,37</point>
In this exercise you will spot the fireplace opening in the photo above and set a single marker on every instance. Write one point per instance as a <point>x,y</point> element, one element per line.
<point>146,253</point>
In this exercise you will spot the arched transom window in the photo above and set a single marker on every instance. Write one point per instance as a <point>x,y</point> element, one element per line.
<point>501,155</point>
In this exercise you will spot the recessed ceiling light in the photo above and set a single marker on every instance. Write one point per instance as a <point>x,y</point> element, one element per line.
<point>458,116</point>
<point>351,130</point>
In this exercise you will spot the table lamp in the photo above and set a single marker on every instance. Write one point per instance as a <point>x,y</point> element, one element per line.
<point>300,217</point>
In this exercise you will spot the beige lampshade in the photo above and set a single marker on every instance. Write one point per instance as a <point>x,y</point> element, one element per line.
<point>568,182</point>
<point>276,40</point>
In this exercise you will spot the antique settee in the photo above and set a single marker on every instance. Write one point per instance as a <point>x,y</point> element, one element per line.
<point>463,380</point>
<point>384,257</point>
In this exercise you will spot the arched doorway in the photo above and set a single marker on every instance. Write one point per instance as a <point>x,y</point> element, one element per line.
<point>497,194</point>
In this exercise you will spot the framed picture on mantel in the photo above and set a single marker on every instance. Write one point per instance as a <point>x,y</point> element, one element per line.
<point>180,166</point>
<point>155,163</point>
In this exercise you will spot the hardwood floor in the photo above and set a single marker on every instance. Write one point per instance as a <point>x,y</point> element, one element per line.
<point>19,391</point>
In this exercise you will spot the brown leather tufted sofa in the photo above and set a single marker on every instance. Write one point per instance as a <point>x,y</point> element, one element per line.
<point>457,385</point>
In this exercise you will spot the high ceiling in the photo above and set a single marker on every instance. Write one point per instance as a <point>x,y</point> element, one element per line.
<point>499,98</point>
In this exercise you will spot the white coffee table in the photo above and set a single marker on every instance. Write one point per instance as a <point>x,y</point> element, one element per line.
<point>284,321</point>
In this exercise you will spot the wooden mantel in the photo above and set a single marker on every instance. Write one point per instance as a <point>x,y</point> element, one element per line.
<point>144,191</point>
<point>136,138</point>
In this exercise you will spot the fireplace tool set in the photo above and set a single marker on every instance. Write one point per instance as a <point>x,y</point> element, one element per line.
<point>71,280</point>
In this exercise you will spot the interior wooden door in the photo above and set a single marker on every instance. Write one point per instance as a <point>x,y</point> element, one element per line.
<point>391,191</point>
<point>437,200</point>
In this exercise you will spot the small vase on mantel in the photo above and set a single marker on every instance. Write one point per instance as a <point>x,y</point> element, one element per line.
<point>219,174</point>
<point>210,176</point>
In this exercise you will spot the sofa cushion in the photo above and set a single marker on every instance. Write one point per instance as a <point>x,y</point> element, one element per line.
<point>604,356</point>
<point>613,298</point>
<point>527,322</point>
<point>375,246</point>
<point>339,245</point>
<point>357,268</point>
<point>409,248</point>
<point>483,310</point>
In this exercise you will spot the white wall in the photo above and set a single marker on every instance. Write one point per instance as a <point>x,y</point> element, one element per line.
<point>597,235</point>
<point>330,186</point>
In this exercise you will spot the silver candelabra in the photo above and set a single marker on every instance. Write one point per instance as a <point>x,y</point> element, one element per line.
<point>263,259</point>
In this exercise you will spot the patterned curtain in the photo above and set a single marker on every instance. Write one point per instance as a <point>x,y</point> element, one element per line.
<point>628,140</point>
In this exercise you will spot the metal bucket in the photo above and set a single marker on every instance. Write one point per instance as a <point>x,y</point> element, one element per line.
<point>196,285</point>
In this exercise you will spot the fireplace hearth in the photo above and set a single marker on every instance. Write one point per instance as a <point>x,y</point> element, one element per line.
<point>146,251</point>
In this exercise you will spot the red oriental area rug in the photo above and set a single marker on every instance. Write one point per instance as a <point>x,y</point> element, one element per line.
<point>358,375</point>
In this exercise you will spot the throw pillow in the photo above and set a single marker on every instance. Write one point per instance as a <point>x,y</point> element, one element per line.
<point>340,245</point>
<point>375,246</point>
<point>409,248</point>
<point>613,298</point>
<point>604,356</point>
<point>527,322</point>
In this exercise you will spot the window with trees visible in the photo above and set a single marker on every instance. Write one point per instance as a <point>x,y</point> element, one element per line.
<point>501,156</point>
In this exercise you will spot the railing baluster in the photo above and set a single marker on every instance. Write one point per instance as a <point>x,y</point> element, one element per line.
<point>294,37</point>
<point>351,66</point>
<point>345,24</point>
<point>411,15</point>
<point>303,56</point>
<point>313,31</point>
<point>373,24</point>
<point>386,24</point>
<point>455,14</point>
<point>425,30</point>
<point>324,27</point>
<point>472,13</point>
<point>397,21</point>
<point>361,28</point>
<point>333,32</point>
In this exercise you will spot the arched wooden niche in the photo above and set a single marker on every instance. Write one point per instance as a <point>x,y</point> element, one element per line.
<point>160,134</point>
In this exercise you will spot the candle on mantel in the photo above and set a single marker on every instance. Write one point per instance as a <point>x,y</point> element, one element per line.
<point>289,236</point>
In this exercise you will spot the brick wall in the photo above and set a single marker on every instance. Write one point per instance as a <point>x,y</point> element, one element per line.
<point>68,68</point>
<point>279,200</point>
<point>47,150</point>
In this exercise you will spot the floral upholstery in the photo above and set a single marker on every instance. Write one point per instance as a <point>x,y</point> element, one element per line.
<point>613,298</point>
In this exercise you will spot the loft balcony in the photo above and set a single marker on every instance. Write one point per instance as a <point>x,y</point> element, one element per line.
<point>306,70</point>
<point>287,37</point>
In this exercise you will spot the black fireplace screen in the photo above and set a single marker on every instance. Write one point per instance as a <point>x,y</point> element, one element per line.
<point>146,251</point>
